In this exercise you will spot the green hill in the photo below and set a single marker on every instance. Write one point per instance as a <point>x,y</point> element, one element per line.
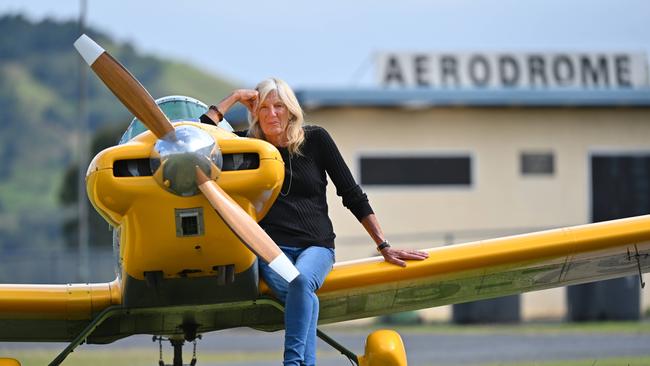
<point>39,88</point>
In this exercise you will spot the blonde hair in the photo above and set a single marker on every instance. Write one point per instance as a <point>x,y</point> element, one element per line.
<point>294,132</point>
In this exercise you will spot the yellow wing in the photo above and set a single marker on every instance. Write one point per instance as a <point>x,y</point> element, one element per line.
<point>488,269</point>
<point>354,289</point>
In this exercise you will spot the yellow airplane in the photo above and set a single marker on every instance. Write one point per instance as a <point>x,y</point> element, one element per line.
<point>188,246</point>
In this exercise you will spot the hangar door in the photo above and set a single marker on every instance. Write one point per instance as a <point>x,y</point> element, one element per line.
<point>620,187</point>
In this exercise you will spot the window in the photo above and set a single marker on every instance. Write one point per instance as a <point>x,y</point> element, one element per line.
<point>416,170</point>
<point>536,163</point>
<point>176,108</point>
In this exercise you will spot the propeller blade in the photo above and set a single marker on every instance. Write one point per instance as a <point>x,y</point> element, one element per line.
<point>246,229</point>
<point>125,87</point>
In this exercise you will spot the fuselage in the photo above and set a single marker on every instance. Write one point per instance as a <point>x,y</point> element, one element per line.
<point>173,249</point>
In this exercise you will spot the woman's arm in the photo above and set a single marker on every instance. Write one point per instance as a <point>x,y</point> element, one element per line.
<point>247,97</point>
<point>357,201</point>
<point>391,255</point>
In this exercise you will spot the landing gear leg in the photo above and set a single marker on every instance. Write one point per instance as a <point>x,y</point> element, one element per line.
<point>177,344</point>
<point>344,351</point>
<point>178,351</point>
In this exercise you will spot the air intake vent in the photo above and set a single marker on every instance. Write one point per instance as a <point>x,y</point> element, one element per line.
<point>245,161</point>
<point>189,222</point>
<point>143,167</point>
<point>132,168</point>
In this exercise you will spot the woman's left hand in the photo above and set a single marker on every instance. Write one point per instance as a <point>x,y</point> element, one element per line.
<point>248,97</point>
<point>397,256</point>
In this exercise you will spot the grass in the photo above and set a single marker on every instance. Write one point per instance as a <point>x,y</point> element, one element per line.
<point>624,327</point>
<point>616,361</point>
<point>148,357</point>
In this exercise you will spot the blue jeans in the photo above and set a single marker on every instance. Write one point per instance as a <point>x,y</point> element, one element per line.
<point>300,301</point>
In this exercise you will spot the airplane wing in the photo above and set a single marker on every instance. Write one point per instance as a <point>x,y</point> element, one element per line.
<point>354,289</point>
<point>36,313</point>
<point>488,269</point>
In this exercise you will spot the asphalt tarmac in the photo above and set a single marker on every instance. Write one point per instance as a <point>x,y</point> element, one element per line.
<point>458,349</point>
<point>424,348</point>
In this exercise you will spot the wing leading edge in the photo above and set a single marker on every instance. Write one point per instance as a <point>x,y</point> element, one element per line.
<point>488,269</point>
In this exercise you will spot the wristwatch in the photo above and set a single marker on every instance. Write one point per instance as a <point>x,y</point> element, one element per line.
<point>383,245</point>
<point>214,108</point>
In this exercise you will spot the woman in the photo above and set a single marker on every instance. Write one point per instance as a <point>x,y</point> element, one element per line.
<point>307,238</point>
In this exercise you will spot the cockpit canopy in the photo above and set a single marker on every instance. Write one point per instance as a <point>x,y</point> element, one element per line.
<point>176,108</point>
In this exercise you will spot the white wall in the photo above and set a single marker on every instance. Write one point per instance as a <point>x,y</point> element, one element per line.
<point>500,200</point>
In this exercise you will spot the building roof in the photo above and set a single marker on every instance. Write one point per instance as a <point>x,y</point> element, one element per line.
<point>425,98</point>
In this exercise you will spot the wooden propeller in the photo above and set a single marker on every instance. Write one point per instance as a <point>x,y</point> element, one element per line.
<point>138,100</point>
<point>125,87</point>
<point>246,229</point>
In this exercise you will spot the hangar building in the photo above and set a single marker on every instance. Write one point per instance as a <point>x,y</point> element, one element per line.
<point>460,149</point>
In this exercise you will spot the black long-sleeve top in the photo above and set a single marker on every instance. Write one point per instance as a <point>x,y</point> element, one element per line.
<point>299,218</point>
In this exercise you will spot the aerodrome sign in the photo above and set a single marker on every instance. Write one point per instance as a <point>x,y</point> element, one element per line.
<point>471,70</point>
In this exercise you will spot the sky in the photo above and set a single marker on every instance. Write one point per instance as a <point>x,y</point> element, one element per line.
<point>332,43</point>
